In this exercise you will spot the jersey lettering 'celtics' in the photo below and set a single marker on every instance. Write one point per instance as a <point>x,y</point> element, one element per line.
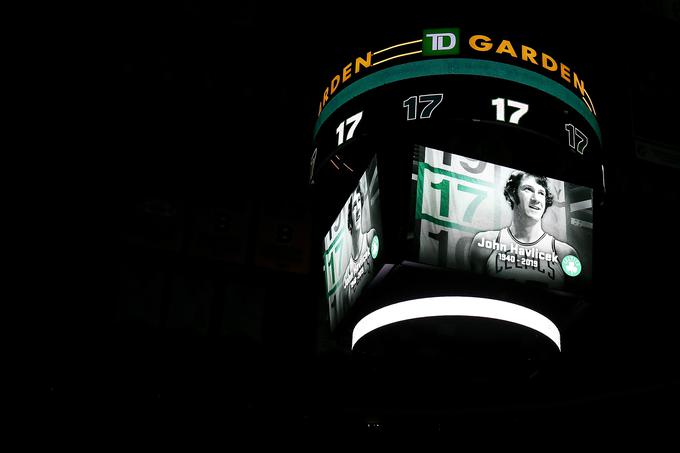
<point>359,269</point>
<point>522,251</point>
<point>511,258</point>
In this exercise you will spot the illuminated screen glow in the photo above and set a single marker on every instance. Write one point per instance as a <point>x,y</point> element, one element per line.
<point>352,246</point>
<point>501,222</point>
<point>456,306</point>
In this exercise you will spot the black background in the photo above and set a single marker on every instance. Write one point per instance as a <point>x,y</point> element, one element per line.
<point>192,107</point>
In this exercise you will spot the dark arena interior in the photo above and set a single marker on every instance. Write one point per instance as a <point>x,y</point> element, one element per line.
<point>194,304</point>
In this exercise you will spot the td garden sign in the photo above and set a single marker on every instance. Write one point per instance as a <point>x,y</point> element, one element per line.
<point>454,43</point>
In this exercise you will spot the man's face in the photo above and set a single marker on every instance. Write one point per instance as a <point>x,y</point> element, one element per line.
<point>531,198</point>
<point>356,209</point>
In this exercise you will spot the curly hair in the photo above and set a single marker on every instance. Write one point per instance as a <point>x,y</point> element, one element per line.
<point>349,214</point>
<point>512,185</point>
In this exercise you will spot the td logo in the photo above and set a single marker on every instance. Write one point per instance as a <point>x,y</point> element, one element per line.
<point>441,41</point>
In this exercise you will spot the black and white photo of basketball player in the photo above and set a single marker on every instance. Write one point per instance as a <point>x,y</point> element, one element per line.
<point>360,265</point>
<point>523,251</point>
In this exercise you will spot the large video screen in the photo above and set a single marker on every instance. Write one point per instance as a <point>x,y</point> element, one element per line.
<point>502,222</point>
<point>352,246</point>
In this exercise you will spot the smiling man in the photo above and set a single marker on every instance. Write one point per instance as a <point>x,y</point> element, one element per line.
<point>523,251</point>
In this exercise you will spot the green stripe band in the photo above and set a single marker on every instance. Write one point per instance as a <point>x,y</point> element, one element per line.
<point>458,66</point>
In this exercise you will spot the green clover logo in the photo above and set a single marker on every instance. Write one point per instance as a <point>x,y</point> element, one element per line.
<point>571,265</point>
<point>375,246</point>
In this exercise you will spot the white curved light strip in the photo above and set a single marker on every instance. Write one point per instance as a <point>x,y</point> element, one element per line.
<point>456,306</point>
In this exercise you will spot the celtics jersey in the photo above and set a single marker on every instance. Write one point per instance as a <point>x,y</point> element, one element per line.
<point>525,261</point>
<point>359,269</point>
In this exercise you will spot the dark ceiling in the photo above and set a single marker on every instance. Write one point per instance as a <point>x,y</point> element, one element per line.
<point>209,107</point>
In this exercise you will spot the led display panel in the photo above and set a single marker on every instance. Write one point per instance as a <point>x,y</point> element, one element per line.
<point>352,247</point>
<point>503,222</point>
